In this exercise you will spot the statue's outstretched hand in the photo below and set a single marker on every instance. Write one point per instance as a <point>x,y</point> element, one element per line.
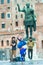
<point>18,7</point>
<point>17,4</point>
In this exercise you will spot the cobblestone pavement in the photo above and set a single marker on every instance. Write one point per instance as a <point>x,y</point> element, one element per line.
<point>31,62</point>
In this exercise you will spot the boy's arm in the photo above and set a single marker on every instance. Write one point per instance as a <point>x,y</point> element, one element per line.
<point>19,39</point>
<point>16,42</point>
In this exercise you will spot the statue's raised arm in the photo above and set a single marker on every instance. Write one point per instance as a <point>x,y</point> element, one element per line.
<point>23,10</point>
<point>18,7</point>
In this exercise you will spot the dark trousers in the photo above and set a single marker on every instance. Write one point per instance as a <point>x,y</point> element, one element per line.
<point>30,53</point>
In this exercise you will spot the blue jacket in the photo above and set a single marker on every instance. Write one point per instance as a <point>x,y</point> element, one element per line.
<point>21,43</point>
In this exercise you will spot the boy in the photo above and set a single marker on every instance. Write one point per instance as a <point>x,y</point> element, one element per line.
<point>30,45</point>
<point>13,44</point>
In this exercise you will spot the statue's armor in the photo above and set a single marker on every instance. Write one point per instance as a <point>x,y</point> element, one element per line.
<point>28,17</point>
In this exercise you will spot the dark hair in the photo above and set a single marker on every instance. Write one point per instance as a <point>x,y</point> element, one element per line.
<point>30,38</point>
<point>13,40</point>
<point>13,37</point>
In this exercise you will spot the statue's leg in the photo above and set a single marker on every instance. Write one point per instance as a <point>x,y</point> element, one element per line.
<point>26,31</point>
<point>35,26</point>
<point>30,31</point>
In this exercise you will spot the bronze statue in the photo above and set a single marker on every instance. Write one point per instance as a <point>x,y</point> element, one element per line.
<point>30,19</point>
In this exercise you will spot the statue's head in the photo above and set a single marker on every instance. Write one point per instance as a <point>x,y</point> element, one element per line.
<point>28,5</point>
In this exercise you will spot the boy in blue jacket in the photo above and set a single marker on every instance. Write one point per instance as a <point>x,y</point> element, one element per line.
<point>22,50</point>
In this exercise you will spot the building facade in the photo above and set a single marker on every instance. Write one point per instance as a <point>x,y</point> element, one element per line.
<point>11,22</point>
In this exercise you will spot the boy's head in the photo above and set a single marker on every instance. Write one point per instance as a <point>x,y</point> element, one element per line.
<point>30,39</point>
<point>20,37</point>
<point>13,38</point>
